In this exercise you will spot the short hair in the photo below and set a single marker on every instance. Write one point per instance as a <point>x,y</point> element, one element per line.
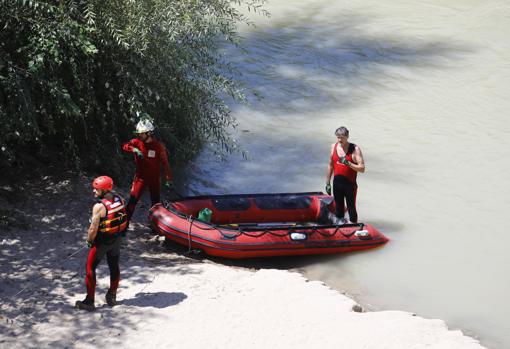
<point>342,131</point>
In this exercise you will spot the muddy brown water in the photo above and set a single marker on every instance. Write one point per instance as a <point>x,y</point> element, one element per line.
<point>421,86</point>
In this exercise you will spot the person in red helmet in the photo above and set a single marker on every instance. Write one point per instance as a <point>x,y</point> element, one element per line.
<point>149,155</point>
<point>108,223</point>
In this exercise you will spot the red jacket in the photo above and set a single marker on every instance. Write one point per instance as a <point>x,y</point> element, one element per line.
<point>154,154</point>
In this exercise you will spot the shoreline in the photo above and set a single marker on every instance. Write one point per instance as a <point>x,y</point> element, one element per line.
<point>358,304</point>
<point>230,306</point>
<point>171,300</point>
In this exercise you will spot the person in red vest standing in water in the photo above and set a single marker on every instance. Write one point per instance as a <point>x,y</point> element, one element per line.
<point>108,223</point>
<point>345,162</point>
<point>149,155</point>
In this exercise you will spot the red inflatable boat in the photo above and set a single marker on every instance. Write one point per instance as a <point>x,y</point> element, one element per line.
<point>261,225</point>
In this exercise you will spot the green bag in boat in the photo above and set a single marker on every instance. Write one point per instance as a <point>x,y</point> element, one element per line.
<point>205,215</point>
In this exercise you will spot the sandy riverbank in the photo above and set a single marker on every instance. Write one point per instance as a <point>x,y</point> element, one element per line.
<point>168,299</point>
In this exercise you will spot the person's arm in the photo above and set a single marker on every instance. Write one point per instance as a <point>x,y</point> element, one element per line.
<point>133,147</point>
<point>98,211</point>
<point>129,146</point>
<point>166,166</point>
<point>359,164</point>
<point>329,171</point>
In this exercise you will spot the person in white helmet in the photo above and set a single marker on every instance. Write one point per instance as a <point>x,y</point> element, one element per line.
<point>149,155</point>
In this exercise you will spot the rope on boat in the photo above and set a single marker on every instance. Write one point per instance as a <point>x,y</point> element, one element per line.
<point>190,219</point>
<point>239,232</point>
<point>290,230</point>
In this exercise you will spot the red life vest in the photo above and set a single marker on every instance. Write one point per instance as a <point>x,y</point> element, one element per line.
<point>116,219</point>
<point>341,169</point>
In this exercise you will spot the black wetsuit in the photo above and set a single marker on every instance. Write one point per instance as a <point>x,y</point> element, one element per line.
<point>345,189</point>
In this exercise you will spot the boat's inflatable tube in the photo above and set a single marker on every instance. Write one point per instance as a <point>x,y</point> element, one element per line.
<point>262,225</point>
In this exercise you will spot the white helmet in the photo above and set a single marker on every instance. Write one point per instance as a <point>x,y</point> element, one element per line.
<point>144,125</point>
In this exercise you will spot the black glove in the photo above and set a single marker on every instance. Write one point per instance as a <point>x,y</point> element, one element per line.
<point>328,189</point>
<point>344,161</point>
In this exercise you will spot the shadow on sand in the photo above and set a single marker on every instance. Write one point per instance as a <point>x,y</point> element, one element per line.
<point>154,299</point>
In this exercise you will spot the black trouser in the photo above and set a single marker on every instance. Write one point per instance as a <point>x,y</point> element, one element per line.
<point>110,248</point>
<point>344,191</point>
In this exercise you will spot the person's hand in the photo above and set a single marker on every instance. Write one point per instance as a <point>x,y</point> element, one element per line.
<point>328,189</point>
<point>169,184</point>
<point>138,153</point>
<point>344,161</point>
<point>89,244</point>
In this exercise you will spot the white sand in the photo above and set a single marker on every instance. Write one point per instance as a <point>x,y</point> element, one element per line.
<point>173,301</point>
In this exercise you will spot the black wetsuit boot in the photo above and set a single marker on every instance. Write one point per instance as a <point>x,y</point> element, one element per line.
<point>85,304</point>
<point>111,298</point>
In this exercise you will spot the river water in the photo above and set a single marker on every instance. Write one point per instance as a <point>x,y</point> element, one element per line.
<point>420,85</point>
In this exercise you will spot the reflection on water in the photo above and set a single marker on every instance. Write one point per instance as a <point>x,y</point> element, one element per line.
<point>420,86</point>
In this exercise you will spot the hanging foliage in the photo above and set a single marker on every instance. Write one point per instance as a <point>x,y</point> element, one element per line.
<point>73,75</point>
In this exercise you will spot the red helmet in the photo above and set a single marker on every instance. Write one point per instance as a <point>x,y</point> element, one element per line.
<point>103,182</point>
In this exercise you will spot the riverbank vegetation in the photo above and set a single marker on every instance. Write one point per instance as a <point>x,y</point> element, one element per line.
<point>74,74</point>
